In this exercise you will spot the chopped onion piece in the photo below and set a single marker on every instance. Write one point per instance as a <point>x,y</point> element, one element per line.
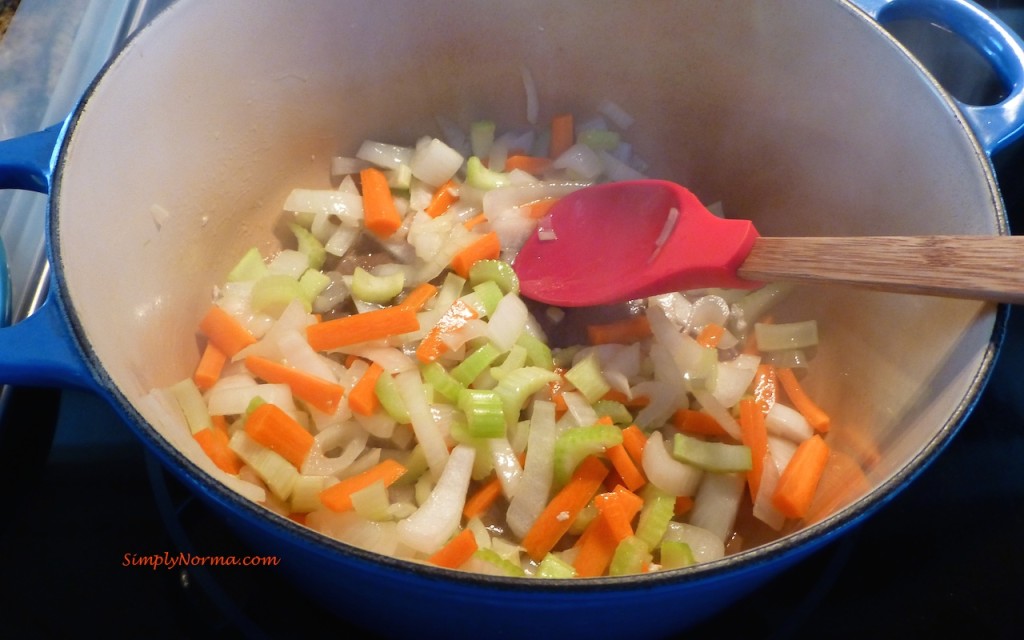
<point>717,502</point>
<point>438,518</point>
<point>435,162</point>
<point>386,156</point>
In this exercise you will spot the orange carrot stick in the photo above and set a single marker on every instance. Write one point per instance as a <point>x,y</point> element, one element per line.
<point>754,434</point>
<point>801,401</point>
<point>419,296</point>
<point>634,440</point>
<point>765,386</point>
<point>214,443</point>
<point>697,422</point>
<point>483,498</point>
<point>338,497</point>
<point>535,165</point>
<point>799,480</point>
<point>486,247</point>
<point>444,197</point>
<point>636,402</point>
<point>211,363</point>
<point>619,507</point>
<point>361,327</point>
<point>322,394</point>
<point>475,221</point>
<point>432,346</point>
<point>379,213</point>
<point>456,552</point>
<point>279,432</point>
<point>220,423</point>
<point>363,397</point>
<point>559,514</point>
<point>540,208</point>
<point>632,329</point>
<point>630,473</point>
<point>562,134</point>
<point>842,481</point>
<point>710,335</point>
<point>224,331</point>
<point>683,505</point>
<point>595,549</point>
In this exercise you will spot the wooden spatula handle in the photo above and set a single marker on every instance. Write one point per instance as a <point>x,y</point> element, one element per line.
<point>973,267</point>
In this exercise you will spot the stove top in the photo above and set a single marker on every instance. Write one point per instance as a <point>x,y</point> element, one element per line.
<point>942,558</point>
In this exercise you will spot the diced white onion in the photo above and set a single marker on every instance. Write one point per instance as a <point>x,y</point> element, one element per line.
<point>532,493</point>
<point>581,161</point>
<point>435,162</point>
<point>386,156</point>
<point>344,206</point>
<point>507,322</point>
<point>717,502</point>
<point>439,517</point>
<point>786,422</point>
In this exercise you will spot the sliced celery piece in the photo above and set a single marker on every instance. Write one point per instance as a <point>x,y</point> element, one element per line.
<point>250,268</point>
<point>575,444</point>
<point>538,354</point>
<point>379,289</point>
<point>309,245</point>
<point>443,382</point>
<point>480,177</point>
<point>630,557</point>
<point>514,359</point>
<point>675,554</point>
<point>718,457</point>
<point>272,293</point>
<point>279,474</point>
<point>305,496</point>
<point>600,139</point>
<point>586,376</point>
<point>520,384</point>
<point>314,283</point>
<point>501,565</point>
<point>485,417</point>
<point>391,400</point>
<point>658,510</point>
<point>372,502</point>
<point>415,465</point>
<point>489,294</point>
<point>475,363</point>
<point>554,567</point>
<point>614,410</point>
<point>192,405</point>
<point>497,271</point>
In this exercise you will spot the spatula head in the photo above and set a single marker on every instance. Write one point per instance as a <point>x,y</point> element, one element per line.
<point>621,241</point>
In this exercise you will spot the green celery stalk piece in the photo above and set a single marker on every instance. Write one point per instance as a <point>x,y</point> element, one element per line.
<point>499,272</point>
<point>309,245</point>
<point>554,567</point>
<point>250,268</point>
<point>504,566</point>
<point>586,376</point>
<point>485,417</point>
<point>391,400</point>
<point>717,457</point>
<point>615,410</point>
<point>630,557</point>
<point>658,510</point>
<point>575,444</point>
<point>475,363</point>
<point>675,554</point>
<point>443,382</point>
<point>378,289</point>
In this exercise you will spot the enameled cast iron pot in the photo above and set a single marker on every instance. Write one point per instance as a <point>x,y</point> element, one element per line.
<point>801,114</point>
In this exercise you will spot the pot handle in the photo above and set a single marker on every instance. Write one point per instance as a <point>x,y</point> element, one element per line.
<point>994,125</point>
<point>39,350</point>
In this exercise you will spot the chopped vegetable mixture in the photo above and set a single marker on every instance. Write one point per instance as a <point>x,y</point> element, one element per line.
<point>381,381</point>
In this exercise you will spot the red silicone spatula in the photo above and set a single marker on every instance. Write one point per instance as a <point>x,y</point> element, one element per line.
<point>626,240</point>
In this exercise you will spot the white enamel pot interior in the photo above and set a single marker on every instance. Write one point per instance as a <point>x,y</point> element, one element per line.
<point>801,115</point>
